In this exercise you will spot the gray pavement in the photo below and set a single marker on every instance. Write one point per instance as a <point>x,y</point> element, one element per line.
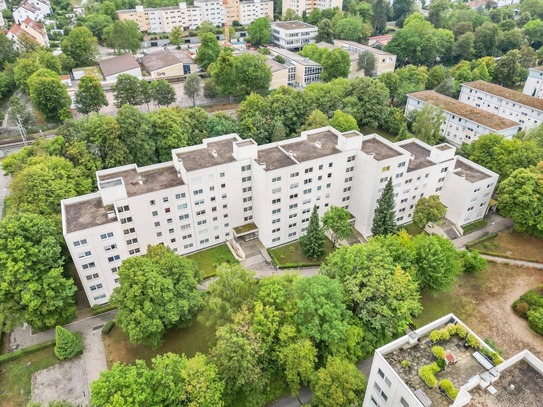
<point>4,182</point>
<point>520,263</point>
<point>496,224</point>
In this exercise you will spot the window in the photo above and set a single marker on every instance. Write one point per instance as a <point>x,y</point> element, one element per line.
<point>276,190</point>
<point>159,234</point>
<point>400,165</point>
<point>92,276</point>
<point>308,181</point>
<point>292,234</point>
<point>84,254</point>
<point>274,221</point>
<point>122,209</point>
<point>305,220</point>
<point>247,209</point>
<point>294,174</point>
<point>403,402</point>
<point>221,175</point>
<point>470,208</point>
<point>181,195</point>
<point>132,241</point>
<point>179,207</point>
<point>277,230</point>
<point>350,158</point>
<point>96,287</point>
<point>99,297</point>
<point>200,213</point>
<point>245,168</point>
<point>350,169</point>
<point>441,179</point>
<point>128,231</point>
<point>165,199</point>
<point>439,189</point>
<point>345,199</point>
<point>293,196</point>
<point>188,246</point>
<point>308,170</point>
<point>307,191</point>
<point>247,199</point>
<point>87,266</point>
<point>107,235</point>
<point>346,189</point>
<point>400,175</point>
<point>276,179</point>
<point>248,218</point>
<point>247,189</point>
<point>293,206</point>
<point>384,169</point>
<point>374,403</point>
<point>292,215</point>
<point>170,231</point>
<point>183,217</point>
<point>276,201</point>
<point>476,190</point>
<point>293,186</point>
<point>444,169</point>
<point>110,247</point>
<point>152,202</point>
<point>157,224</point>
<point>246,179</point>
<point>155,213</point>
<point>114,258</point>
<point>306,210</point>
<point>81,242</point>
<point>167,210</point>
<point>189,236</point>
<point>204,241</point>
<point>201,222</point>
<point>126,220</point>
<point>381,374</point>
<point>348,179</point>
<point>198,191</point>
<point>134,251</point>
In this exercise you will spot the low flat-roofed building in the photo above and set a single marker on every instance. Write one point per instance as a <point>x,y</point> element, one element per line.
<point>301,70</point>
<point>524,109</point>
<point>279,73</point>
<point>384,61</point>
<point>534,83</point>
<point>354,72</point>
<point>463,123</point>
<point>293,35</point>
<point>480,380</point>
<point>122,64</point>
<point>168,64</point>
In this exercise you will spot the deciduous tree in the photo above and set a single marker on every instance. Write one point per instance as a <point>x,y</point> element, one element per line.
<point>192,88</point>
<point>366,62</point>
<point>127,91</point>
<point>260,31</point>
<point>209,50</point>
<point>428,210</point>
<point>162,92</point>
<point>343,121</point>
<point>298,361</point>
<point>384,217</point>
<point>369,97</point>
<point>338,221</point>
<point>123,36</point>
<point>427,125</point>
<point>176,35</point>
<point>49,95</point>
<point>335,64</point>
<point>90,96</point>
<point>325,31</point>
<point>81,45</point>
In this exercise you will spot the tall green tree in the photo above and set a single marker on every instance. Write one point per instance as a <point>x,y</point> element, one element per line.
<point>260,32</point>
<point>162,92</point>
<point>508,71</point>
<point>192,88</point>
<point>343,121</point>
<point>298,361</point>
<point>384,217</point>
<point>338,221</point>
<point>335,64</point>
<point>8,53</point>
<point>366,62</point>
<point>123,36</point>
<point>18,108</point>
<point>463,48</point>
<point>49,95</point>
<point>352,29</point>
<point>367,97</point>
<point>427,125</point>
<point>67,344</point>
<point>97,23</point>
<point>176,35</point>
<point>252,73</point>
<point>32,283</point>
<point>325,31</point>
<point>157,291</point>
<point>315,120</point>
<point>90,96</point>
<point>127,91</point>
<point>135,133</point>
<point>339,383</point>
<point>313,241</point>
<point>81,45</point>
<point>209,50</point>
<point>428,210</point>
<point>381,11</point>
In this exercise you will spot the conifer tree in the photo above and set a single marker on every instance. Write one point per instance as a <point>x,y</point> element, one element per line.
<point>67,344</point>
<point>384,217</point>
<point>313,241</point>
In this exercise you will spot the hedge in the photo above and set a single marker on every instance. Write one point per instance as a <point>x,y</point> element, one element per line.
<point>448,387</point>
<point>26,351</point>
<point>100,309</point>
<point>427,374</point>
<point>108,326</point>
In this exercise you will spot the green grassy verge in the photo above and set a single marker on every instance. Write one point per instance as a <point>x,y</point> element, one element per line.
<point>474,226</point>
<point>291,255</point>
<point>209,259</point>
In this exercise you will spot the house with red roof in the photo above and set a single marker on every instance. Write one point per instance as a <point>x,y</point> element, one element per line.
<point>29,29</point>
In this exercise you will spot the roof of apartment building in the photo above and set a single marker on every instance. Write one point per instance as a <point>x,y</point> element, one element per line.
<point>292,25</point>
<point>285,53</point>
<point>274,65</point>
<point>215,153</point>
<point>471,173</point>
<point>537,68</point>
<point>353,55</point>
<point>274,158</point>
<point>421,156</point>
<point>164,59</point>
<point>476,115</point>
<point>115,65</point>
<point>87,214</point>
<point>513,383</point>
<point>364,47</point>
<point>29,6</point>
<point>505,93</point>
<point>379,149</point>
<point>18,30</point>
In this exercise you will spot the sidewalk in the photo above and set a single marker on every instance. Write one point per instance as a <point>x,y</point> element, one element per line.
<point>520,263</point>
<point>496,224</point>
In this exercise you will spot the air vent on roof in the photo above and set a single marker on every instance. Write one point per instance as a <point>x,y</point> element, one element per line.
<point>371,155</point>
<point>111,215</point>
<point>214,152</point>
<point>318,144</point>
<point>263,165</point>
<point>291,153</point>
<point>140,180</point>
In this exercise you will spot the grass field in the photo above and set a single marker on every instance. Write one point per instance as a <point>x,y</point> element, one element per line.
<point>16,376</point>
<point>190,340</point>
<point>472,227</point>
<point>209,259</point>
<point>383,133</point>
<point>291,255</point>
<point>514,245</point>
<point>413,229</point>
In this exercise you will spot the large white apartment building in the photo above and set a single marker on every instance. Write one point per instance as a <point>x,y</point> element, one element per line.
<point>517,381</point>
<point>299,6</point>
<point>301,71</point>
<point>463,123</point>
<point>293,35</point>
<point>524,109</point>
<point>229,188</point>
<point>164,19</point>
<point>534,83</point>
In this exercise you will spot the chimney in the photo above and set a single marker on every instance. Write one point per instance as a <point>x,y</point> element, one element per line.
<point>111,215</point>
<point>318,144</point>
<point>263,165</point>
<point>214,152</point>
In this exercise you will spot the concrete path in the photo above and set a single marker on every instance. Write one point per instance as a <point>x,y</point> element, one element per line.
<point>4,182</point>
<point>496,224</point>
<point>520,263</point>
<point>94,354</point>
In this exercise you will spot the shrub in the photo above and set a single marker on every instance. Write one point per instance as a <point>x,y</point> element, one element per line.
<point>535,319</point>
<point>68,345</point>
<point>441,363</point>
<point>439,335</point>
<point>493,356</point>
<point>438,352</point>
<point>493,345</point>
<point>406,363</point>
<point>521,308</point>
<point>448,387</point>
<point>26,351</point>
<point>427,374</point>
<point>108,326</point>
<point>461,331</point>
<point>473,342</point>
<point>472,262</point>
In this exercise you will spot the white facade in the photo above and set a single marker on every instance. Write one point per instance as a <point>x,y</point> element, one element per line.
<point>207,191</point>
<point>3,5</point>
<point>463,123</point>
<point>249,11</point>
<point>27,10</point>
<point>309,5</point>
<point>301,71</point>
<point>386,388</point>
<point>212,10</point>
<point>293,35</point>
<point>534,83</point>
<point>2,22</point>
<point>43,5</point>
<point>518,107</point>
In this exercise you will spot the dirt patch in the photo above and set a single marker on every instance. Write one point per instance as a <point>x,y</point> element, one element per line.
<point>514,245</point>
<point>484,302</point>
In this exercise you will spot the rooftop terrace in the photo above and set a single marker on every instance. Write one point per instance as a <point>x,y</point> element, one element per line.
<point>216,153</point>
<point>87,214</point>
<point>153,180</point>
<point>472,174</point>
<point>505,93</point>
<point>380,150</point>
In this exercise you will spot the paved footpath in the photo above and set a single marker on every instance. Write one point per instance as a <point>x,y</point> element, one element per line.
<point>520,263</point>
<point>496,224</point>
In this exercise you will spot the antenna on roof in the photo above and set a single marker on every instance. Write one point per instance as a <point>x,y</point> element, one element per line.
<point>318,144</point>
<point>214,152</point>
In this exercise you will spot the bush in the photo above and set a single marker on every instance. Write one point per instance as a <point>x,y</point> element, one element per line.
<point>438,352</point>
<point>405,363</point>
<point>521,308</point>
<point>441,363</point>
<point>26,351</point>
<point>108,326</point>
<point>473,342</point>
<point>68,345</point>
<point>448,387</point>
<point>461,331</point>
<point>210,90</point>
<point>439,335</point>
<point>472,262</point>
<point>100,309</point>
<point>427,374</point>
<point>535,319</point>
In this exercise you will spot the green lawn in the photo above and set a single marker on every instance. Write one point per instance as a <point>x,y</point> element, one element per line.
<point>195,338</point>
<point>16,376</point>
<point>291,255</point>
<point>413,229</point>
<point>512,244</point>
<point>209,259</point>
<point>382,132</point>
<point>474,226</point>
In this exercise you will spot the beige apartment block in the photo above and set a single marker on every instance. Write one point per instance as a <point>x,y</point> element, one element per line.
<point>384,61</point>
<point>299,6</point>
<point>301,71</point>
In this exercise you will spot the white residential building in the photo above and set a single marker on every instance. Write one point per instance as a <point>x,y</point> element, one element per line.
<point>27,10</point>
<point>534,83</point>
<point>3,5</point>
<point>463,123</point>
<point>2,22</point>
<point>43,5</point>
<point>228,188</point>
<point>517,381</point>
<point>164,19</point>
<point>28,29</point>
<point>524,109</point>
<point>293,35</point>
<point>309,5</point>
<point>384,61</point>
<point>301,71</point>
